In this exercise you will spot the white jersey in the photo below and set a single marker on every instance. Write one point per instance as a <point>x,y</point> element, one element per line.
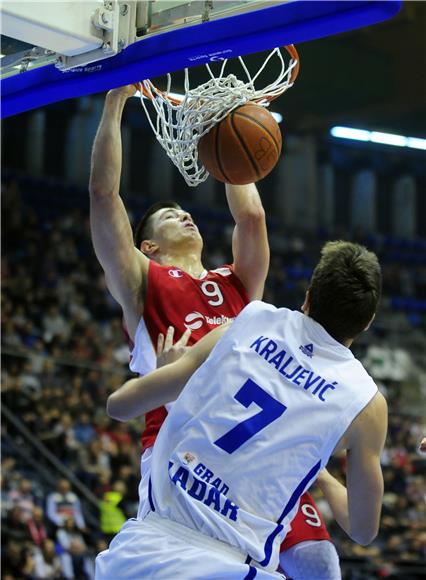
<point>253,427</point>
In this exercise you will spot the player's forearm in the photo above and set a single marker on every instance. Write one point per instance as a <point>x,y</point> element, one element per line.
<point>250,246</point>
<point>361,527</point>
<point>337,497</point>
<point>107,148</point>
<point>244,202</point>
<point>138,396</point>
<point>143,394</point>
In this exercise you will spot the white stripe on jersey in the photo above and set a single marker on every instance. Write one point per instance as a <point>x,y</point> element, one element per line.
<point>143,358</point>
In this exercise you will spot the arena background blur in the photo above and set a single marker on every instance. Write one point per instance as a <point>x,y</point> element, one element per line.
<point>69,473</point>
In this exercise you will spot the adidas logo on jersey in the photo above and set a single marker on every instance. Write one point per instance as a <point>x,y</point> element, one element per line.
<point>308,349</point>
<point>195,320</point>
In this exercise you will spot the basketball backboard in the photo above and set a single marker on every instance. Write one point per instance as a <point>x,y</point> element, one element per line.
<point>58,50</point>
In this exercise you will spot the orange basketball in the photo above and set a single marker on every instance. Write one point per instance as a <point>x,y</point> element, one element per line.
<point>244,147</point>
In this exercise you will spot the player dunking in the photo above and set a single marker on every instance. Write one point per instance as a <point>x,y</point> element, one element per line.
<point>161,282</point>
<point>259,415</point>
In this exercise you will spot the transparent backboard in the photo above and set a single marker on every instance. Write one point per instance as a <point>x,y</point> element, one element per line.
<point>163,15</point>
<point>126,41</point>
<point>151,17</point>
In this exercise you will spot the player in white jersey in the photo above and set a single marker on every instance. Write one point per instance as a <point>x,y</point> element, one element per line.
<point>264,406</point>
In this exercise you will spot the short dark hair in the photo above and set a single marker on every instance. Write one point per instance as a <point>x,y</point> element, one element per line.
<point>345,289</point>
<point>143,230</point>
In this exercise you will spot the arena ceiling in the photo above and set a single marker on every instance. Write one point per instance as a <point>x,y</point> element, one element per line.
<point>372,78</point>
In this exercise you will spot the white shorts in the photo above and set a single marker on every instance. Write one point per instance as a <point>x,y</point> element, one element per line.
<point>160,549</point>
<point>316,560</point>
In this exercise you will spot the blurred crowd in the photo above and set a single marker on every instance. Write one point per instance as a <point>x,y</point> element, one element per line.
<point>64,351</point>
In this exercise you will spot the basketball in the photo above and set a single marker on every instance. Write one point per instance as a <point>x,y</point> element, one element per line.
<point>244,147</point>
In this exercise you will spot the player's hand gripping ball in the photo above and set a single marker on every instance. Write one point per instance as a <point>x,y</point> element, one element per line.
<point>244,147</point>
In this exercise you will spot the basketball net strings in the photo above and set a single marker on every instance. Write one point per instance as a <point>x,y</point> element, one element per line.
<point>179,127</point>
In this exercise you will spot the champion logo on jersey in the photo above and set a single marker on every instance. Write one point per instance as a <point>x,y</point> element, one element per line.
<point>308,349</point>
<point>176,273</point>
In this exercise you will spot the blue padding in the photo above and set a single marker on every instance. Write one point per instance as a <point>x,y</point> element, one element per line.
<point>297,21</point>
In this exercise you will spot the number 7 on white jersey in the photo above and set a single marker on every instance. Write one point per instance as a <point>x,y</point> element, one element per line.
<point>272,409</point>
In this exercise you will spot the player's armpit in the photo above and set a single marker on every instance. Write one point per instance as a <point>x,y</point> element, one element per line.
<point>140,395</point>
<point>364,475</point>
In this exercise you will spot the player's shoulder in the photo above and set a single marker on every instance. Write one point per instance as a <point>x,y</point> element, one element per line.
<point>264,308</point>
<point>378,405</point>
<point>373,418</point>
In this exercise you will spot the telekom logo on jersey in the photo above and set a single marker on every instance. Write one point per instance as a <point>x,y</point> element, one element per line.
<point>195,320</point>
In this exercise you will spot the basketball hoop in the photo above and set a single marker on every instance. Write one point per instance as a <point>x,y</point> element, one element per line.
<point>181,122</point>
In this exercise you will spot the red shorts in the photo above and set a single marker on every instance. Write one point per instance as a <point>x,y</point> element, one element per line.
<point>307,524</point>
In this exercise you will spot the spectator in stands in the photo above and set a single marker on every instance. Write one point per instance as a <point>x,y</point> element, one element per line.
<point>64,503</point>
<point>76,563</point>
<point>13,395</point>
<point>112,515</point>
<point>17,562</point>
<point>84,430</point>
<point>30,381</point>
<point>93,460</point>
<point>14,527</point>
<point>66,444</point>
<point>47,565</point>
<point>75,557</point>
<point>37,526</point>
<point>24,498</point>
<point>6,503</point>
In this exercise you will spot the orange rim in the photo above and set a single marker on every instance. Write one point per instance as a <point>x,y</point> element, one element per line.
<point>291,49</point>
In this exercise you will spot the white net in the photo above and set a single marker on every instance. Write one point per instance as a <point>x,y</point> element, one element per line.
<point>179,125</point>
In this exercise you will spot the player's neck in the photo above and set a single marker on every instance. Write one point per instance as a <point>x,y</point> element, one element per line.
<point>189,262</point>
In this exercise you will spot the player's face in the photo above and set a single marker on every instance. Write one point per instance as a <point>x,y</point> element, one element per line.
<point>173,226</point>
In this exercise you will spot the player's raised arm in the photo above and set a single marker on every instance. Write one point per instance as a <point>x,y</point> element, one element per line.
<point>250,239</point>
<point>142,394</point>
<point>357,508</point>
<point>124,265</point>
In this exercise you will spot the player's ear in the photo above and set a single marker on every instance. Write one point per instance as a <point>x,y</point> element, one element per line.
<point>370,323</point>
<point>149,248</point>
<point>305,305</point>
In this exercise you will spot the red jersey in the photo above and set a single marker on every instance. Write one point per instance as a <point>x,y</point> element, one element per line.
<point>174,298</point>
<point>307,524</point>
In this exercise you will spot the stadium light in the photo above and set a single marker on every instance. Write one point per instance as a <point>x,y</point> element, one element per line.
<point>378,137</point>
<point>349,133</point>
<point>416,143</point>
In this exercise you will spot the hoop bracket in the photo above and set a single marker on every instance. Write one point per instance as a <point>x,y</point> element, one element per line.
<point>117,21</point>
